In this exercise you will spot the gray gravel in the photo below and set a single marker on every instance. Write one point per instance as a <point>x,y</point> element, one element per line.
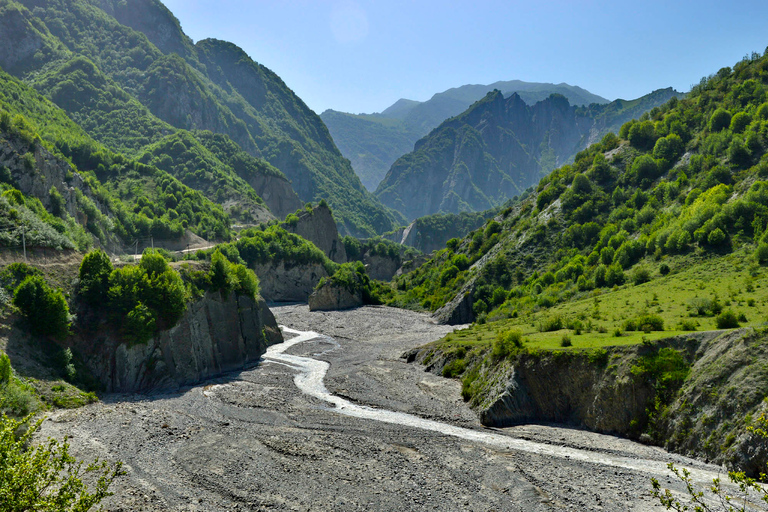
<point>252,441</point>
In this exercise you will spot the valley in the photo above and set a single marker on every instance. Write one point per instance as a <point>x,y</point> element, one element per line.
<point>252,440</point>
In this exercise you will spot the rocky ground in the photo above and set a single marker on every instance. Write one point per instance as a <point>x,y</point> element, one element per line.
<point>253,441</point>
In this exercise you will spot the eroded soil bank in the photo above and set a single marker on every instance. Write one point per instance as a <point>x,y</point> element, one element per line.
<point>252,441</point>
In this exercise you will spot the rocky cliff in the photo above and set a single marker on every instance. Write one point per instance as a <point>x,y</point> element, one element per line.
<point>283,281</point>
<point>215,335</point>
<point>318,226</point>
<point>706,416</point>
<point>34,171</point>
<point>332,296</point>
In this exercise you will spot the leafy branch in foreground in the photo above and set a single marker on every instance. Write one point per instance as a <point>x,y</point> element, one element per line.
<point>45,477</point>
<point>751,492</point>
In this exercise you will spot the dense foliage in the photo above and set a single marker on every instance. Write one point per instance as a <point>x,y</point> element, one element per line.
<point>44,308</point>
<point>624,202</point>
<point>130,83</point>
<point>45,476</point>
<point>354,278</point>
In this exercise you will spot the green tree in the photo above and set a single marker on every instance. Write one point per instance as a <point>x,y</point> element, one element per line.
<point>45,309</point>
<point>44,476</point>
<point>95,270</point>
<point>740,121</point>
<point>719,120</point>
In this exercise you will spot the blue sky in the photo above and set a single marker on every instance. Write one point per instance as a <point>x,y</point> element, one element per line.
<point>363,55</point>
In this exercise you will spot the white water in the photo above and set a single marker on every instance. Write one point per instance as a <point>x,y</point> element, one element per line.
<point>309,380</point>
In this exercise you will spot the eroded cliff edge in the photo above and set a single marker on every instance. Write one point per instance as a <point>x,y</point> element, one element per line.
<point>217,334</point>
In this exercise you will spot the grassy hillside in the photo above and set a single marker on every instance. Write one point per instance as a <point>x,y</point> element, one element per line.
<point>678,187</point>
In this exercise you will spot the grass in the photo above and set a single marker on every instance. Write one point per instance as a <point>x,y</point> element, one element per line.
<point>735,280</point>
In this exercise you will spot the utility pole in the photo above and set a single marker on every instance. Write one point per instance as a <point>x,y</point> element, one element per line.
<point>136,250</point>
<point>152,241</point>
<point>24,241</point>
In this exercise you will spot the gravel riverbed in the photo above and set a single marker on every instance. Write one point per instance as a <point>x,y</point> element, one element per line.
<point>253,441</point>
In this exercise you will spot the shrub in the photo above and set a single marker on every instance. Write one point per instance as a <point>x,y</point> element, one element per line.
<point>5,369</point>
<point>615,275</point>
<point>716,237</point>
<point>664,269</point>
<point>640,275</point>
<point>565,341</point>
<point>454,368</point>
<point>45,476</point>
<point>687,325</point>
<point>761,253</point>
<point>740,121</point>
<point>140,323</point>
<point>552,323</point>
<point>727,320</point>
<point>719,120</point>
<point>45,309</point>
<point>646,323</point>
<point>506,343</point>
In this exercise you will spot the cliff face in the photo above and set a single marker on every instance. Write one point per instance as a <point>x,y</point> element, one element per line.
<point>318,227</point>
<point>705,417</point>
<point>36,177</point>
<point>276,192</point>
<point>215,335</point>
<point>286,282</point>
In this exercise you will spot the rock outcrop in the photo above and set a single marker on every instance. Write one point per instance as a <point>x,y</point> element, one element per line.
<point>381,267</point>
<point>283,281</point>
<point>277,193</point>
<point>317,226</point>
<point>215,335</point>
<point>332,296</point>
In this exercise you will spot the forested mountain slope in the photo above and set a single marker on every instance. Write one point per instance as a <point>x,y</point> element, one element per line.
<point>498,148</point>
<point>127,73</point>
<point>373,142</point>
<point>683,183</point>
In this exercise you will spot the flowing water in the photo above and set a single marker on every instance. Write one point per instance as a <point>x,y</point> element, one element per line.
<point>311,373</point>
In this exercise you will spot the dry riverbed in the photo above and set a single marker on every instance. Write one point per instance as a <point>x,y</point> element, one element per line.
<point>253,441</point>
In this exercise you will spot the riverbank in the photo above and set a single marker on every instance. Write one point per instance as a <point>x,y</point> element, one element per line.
<point>253,441</point>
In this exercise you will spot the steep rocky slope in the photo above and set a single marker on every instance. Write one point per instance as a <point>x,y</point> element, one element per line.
<point>372,142</point>
<point>129,74</point>
<point>216,335</point>
<point>498,148</point>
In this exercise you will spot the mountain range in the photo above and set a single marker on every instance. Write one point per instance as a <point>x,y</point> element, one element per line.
<point>499,147</point>
<point>372,142</point>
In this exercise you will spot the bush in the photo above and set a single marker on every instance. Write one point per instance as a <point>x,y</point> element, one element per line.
<point>45,309</point>
<point>44,476</point>
<point>552,323</point>
<point>740,121</point>
<point>716,237</point>
<point>646,323</point>
<point>5,369</point>
<point>95,270</point>
<point>762,252</point>
<point>506,343</point>
<point>140,323</point>
<point>727,320</point>
<point>640,275</point>
<point>565,341</point>
<point>687,325</point>
<point>664,269</point>
<point>720,120</point>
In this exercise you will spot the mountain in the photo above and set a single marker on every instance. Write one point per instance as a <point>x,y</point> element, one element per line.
<point>373,142</point>
<point>652,243</point>
<point>498,148</point>
<point>126,72</point>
